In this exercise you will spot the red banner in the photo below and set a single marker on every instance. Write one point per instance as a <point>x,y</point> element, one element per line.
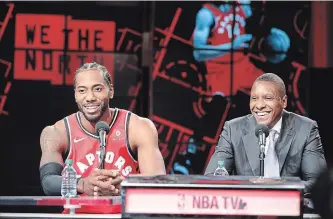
<point>49,46</point>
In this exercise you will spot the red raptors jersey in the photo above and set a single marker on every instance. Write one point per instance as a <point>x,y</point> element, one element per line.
<point>218,69</point>
<point>84,150</point>
<point>222,31</point>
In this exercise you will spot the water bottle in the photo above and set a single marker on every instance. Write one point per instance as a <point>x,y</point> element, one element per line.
<point>68,183</point>
<point>221,170</point>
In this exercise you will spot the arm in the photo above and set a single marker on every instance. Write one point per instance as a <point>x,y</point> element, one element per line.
<point>313,159</point>
<point>202,51</point>
<point>53,142</point>
<point>223,151</point>
<point>143,135</point>
<point>246,6</point>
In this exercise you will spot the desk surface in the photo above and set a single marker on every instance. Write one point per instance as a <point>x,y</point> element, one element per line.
<point>58,200</point>
<point>37,215</point>
<point>99,216</point>
<point>199,181</point>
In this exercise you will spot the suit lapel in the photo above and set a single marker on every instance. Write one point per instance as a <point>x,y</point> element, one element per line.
<point>286,137</point>
<point>250,142</point>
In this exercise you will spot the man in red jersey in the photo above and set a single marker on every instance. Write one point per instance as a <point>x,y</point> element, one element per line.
<point>132,142</point>
<point>219,28</point>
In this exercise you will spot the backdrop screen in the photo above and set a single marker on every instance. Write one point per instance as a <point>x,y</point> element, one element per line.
<point>206,57</point>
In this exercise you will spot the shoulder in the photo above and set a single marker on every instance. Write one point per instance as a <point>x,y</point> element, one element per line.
<point>55,134</point>
<point>300,121</point>
<point>56,128</point>
<point>205,12</point>
<point>204,16</point>
<point>137,121</point>
<point>141,131</point>
<point>239,121</point>
<point>141,123</point>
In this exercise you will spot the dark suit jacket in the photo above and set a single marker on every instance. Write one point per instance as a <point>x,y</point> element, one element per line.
<point>299,149</point>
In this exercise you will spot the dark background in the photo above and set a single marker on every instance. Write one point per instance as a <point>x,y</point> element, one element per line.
<point>32,105</point>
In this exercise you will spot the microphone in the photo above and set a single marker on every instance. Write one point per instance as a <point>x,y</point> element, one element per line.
<point>102,129</point>
<point>262,132</point>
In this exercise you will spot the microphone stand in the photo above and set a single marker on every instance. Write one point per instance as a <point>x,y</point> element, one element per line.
<point>102,145</point>
<point>101,157</point>
<point>262,154</point>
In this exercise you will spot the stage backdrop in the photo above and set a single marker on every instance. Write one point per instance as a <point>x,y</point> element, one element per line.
<point>43,43</point>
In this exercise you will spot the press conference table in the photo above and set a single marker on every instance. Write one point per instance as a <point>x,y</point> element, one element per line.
<point>104,216</point>
<point>58,201</point>
<point>180,196</point>
<point>55,216</point>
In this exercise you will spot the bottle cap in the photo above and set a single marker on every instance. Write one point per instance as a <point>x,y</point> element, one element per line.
<point>69,161</point>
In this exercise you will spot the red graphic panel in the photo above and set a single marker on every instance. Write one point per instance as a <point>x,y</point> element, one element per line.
<point>5,66</point>
<point>38,31</point>
<point>5,19</point>
<point>39,65</point>
<point>7,85</point>
<point>88,35</point>
<point>40,46</point>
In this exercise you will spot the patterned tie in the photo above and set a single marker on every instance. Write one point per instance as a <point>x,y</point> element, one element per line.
<point>271,168</point>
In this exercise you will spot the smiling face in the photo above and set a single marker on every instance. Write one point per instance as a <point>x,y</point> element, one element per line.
<point>267,102</point>
<point>92,94</point>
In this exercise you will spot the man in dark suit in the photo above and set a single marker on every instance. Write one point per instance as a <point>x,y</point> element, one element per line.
<point>293,147</point>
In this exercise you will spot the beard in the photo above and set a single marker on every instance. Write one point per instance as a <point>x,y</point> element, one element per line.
<point>94,118</point>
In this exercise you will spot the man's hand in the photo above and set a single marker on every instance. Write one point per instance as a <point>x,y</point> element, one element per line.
<point>110,185</point>
<point>241,41</point>
<point>87,185</point>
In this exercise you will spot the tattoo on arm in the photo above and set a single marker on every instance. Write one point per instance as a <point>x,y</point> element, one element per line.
<point>50,139</point>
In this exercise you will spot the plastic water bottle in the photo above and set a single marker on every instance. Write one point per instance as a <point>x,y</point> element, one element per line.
<point>68,184</point>
<point>221,170</point>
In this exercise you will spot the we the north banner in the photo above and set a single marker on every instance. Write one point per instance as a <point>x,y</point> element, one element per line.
<point>51,47</point>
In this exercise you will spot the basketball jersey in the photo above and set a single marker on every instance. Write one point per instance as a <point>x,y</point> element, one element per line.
<point>84,150</point>
<point>222,31</point>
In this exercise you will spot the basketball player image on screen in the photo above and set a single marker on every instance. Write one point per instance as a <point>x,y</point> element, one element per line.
<point>212,40</point>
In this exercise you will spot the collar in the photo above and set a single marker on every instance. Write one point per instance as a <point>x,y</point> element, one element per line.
<point>277,126</point>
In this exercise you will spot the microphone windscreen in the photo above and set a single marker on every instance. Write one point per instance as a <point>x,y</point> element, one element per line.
<point>262,128</point>
<point>101,125</point>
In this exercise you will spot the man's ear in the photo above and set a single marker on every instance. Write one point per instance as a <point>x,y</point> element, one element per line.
<point>285,101</point>
<point>111,92</point>
<point>75,96</point>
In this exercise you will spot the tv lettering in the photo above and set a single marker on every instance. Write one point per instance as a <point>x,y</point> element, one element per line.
<point>52,47</point>
<point>211,202</point>
<point>218,202</point>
